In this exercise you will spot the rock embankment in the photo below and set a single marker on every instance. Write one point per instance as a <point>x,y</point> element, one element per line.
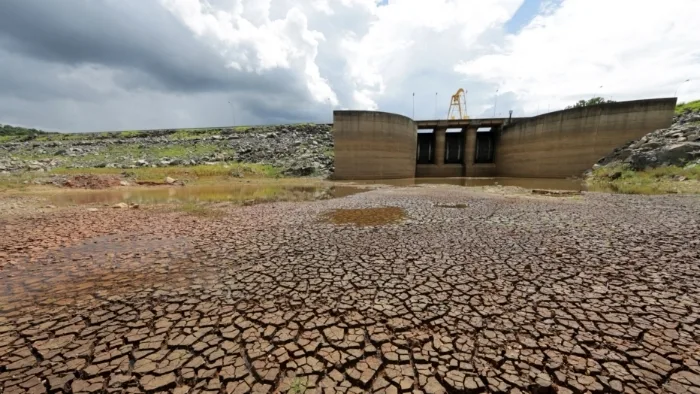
<point>678,145</point>
<point>297,150</point>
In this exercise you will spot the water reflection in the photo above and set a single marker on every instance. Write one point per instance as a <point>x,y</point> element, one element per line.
<point>264,192</point>
<point>365,216</point>
<point>203,193</point>
<point>527,183</point>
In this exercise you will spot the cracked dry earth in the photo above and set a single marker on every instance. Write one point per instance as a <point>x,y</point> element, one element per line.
<point>467,293</point>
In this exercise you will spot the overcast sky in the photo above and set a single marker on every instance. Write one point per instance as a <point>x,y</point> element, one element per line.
<point>94,65</point>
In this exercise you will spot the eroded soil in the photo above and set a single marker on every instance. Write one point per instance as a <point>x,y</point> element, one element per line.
<point>593,293</point>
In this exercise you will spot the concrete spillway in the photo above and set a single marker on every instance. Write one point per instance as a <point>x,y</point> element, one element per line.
<point>380,145</point>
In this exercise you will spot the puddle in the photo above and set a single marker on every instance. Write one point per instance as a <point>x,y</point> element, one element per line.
<point>365,216</point>
<point>235,192</point>
<point>458,206</point>
<point>527,183</point>
<point>556,193</point>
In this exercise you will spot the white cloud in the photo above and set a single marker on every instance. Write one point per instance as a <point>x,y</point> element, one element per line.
<point>407,36</point>
<point>634,49</point>
<point>252,41</point>
<point>287,58</point>
<point>380,47</point>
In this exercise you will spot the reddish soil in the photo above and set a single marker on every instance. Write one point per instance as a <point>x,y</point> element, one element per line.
<point>403,293</point>
<point>91,181</point>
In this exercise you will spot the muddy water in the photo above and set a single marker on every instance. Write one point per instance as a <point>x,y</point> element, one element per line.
<point>527,183</point>
<point>202,193</point>
<point>365,216</point>
<point>237,192</point>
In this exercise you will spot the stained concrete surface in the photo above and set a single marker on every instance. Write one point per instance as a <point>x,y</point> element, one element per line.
<point>568,142</point>
<point>373,145</point>
<point>590,293</point>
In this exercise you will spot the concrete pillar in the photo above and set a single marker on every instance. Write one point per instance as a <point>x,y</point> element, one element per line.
<point>469,148</point>
<point>439,146</point>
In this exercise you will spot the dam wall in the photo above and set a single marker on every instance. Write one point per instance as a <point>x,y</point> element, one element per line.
<point>566,143</point>
<point>374,145</point>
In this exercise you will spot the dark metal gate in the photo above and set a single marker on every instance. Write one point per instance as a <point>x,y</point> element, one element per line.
<point>454,147</point>
<point>426,148</point>
<point>484,147</point>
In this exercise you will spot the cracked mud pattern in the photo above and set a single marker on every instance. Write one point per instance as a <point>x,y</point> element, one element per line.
<point>593,294</point>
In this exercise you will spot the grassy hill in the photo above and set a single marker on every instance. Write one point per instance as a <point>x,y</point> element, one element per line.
<point>8,133</point>
<point>689,106</point>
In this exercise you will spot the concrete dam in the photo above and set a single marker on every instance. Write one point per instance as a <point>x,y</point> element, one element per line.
<point>561,144</point>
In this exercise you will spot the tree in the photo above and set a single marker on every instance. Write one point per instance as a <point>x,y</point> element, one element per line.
<point>13,130</point>
<point>586,103</point>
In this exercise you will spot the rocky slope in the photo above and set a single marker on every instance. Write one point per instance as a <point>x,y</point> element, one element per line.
<point>297,150</point>
<point>678,145</point>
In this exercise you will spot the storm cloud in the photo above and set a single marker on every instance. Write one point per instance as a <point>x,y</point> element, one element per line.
<point>124,54</point>
<point>93,65</point>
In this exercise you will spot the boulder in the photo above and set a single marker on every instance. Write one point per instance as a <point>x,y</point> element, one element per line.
<point>279,145</point>
<point>170,180</point>
<point>300,170</point>
<point>34,165</point>
<point>678,154</point>
<point>677,145</point>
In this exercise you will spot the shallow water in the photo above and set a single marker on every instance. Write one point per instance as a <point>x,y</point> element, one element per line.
<point>262,192</point>
<point>527,183</point>
<point>365,216</point>
<point>233,192</point>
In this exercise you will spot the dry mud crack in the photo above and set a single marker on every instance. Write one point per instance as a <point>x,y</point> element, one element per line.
<point>597,293</point>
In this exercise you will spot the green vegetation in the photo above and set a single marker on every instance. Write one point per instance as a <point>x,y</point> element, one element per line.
<point>117,153</point>
<point>200,173</point>
<point>190,134</point>
<point>8,138</point>
<point>157,174</point>
<point>691,106</point>
<point>128,134</point>
<point>592,101</point>
<point>297,387</point>
<point>17,181</point>
<point>14,130</point>
<point>157,152</point>
<point>65,137</point>
<point>660,180</point>
<point>199,210</point>
<point>10,133</point>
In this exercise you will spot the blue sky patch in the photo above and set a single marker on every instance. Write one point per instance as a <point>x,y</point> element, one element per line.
<point>527,11</point>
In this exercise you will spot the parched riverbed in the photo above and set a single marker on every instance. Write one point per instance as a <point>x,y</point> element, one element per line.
<point>424,289</point>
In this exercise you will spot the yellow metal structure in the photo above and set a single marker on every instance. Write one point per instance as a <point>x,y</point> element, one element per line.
<point>458,106</point>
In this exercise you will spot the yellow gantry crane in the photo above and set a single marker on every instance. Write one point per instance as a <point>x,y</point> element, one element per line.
<point>458,106</point>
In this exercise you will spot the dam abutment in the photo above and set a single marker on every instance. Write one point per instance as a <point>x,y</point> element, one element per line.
<point>566,143</point>
<point>562,144</point>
